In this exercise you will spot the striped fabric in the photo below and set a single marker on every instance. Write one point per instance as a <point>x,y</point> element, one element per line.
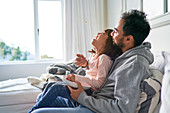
<point>150,93</point>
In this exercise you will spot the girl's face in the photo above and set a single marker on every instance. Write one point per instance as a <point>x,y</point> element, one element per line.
<point>100,41</point>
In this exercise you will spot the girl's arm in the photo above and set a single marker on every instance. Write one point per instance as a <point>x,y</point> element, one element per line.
<point>104,65</point>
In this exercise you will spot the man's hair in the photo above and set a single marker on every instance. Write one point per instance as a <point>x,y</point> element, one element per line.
<point>136,24</point>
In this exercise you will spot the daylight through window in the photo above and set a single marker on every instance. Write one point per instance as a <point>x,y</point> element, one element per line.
<point>18,41</point>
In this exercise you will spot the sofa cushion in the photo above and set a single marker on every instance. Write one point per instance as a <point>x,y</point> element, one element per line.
<point>150,92</point>
<point>17,91</point>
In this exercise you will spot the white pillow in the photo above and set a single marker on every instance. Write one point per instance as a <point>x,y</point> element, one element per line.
<point>166,56</point>
<point>159,61</point>
<point>165,94</point>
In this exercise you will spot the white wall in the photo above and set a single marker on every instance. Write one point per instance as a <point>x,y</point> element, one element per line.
<point>160,39</point>
<point>22,70</point>
<point>159,35</point>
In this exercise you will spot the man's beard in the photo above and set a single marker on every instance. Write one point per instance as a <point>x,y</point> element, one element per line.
<point>120,43</point>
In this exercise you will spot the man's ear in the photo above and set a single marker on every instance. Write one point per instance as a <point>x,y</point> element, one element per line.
<point>129,42</point>
<point>129,38</point>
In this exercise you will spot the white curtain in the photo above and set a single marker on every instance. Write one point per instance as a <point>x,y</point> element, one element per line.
<point>83,20</point>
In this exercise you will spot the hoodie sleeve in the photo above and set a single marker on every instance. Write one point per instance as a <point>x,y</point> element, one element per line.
<point>126,92</point>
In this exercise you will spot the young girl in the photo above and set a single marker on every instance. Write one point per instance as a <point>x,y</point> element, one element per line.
<point>100,62</point>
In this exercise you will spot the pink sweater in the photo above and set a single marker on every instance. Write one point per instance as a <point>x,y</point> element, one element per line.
<point>97,72</point>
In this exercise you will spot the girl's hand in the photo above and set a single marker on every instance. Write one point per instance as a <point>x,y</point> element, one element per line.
<point>81,60</point>
<point>71,77</point>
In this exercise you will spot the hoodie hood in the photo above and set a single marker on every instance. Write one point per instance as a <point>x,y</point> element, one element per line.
<point>143,50</point>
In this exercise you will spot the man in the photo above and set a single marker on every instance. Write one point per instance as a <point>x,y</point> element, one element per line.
<point>121,91</point>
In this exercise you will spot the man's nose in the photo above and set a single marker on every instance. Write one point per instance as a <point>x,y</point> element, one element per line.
<point>112,34</point>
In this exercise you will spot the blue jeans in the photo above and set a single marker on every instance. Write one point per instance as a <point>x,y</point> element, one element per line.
<point>45,90</point>
<point>56,97</point>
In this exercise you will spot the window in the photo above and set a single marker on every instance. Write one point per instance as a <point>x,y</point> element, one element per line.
<point>31,30</point>
<point>50,29</point>
<point>16,30</point>
<point>153,7</point>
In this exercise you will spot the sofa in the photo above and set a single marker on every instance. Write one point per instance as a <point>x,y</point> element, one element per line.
<point>18,95</point>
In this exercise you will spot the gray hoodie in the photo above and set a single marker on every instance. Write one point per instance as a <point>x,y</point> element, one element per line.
<point>121,91</point>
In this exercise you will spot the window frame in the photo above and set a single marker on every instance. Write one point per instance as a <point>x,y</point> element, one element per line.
<point>36,32</point>
<point>162,19</point>
<point>157,21</point>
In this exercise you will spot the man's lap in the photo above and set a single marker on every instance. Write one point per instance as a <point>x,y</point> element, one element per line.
<point>66,109</point>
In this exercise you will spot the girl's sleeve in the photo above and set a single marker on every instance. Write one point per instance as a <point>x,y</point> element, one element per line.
<point>104,65</point>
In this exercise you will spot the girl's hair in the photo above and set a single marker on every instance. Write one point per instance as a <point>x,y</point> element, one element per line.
<point>110,49</point>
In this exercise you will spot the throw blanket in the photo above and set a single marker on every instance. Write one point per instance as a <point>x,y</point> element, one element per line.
<point>63,69</point>
<point>55,69</point>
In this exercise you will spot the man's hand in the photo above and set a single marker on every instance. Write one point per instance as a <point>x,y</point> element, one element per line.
<point>76,92</point>
<point>81,60</point>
